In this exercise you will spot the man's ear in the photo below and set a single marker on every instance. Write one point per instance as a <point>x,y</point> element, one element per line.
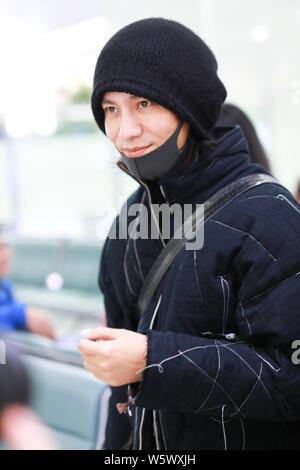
<point>183,135</point>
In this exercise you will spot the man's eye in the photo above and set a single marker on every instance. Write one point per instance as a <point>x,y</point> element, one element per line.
<point>144,104</point>
<point>109,109</point>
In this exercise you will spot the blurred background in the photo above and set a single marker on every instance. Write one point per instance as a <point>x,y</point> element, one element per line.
<point>59,187</point>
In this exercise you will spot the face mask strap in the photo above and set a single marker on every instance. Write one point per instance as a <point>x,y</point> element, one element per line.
<point>159,162</point>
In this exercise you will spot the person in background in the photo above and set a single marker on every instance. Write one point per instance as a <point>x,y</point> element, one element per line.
<point>297,195</point>
<point>20,427</point>
<point>231,115</point>
<point>15,315</point>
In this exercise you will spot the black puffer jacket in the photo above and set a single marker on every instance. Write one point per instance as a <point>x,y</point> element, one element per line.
<point>221,324</point>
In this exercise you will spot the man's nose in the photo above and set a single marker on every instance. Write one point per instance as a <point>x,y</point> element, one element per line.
<point>129,128</point>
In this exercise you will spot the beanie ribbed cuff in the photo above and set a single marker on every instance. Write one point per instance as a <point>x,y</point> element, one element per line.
<point>144,90</point>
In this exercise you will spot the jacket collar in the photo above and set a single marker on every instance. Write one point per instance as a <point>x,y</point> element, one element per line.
<point>208,172</point>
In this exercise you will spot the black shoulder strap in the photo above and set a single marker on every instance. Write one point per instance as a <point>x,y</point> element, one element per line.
<point>219,200</point>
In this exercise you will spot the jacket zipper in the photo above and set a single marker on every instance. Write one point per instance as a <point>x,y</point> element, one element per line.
<point>166,199</point>
<point>141,428</point>
<point>155,431</point>
<point>162,431</point>
<point>123,168</point>
<point>143,409</point>
<point>158,446</point>
<point>153,215</point>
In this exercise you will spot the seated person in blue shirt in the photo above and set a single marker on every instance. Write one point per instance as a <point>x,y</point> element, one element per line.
<point>13,314</point>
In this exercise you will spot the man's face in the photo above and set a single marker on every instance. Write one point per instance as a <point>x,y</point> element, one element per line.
<point>5,257</point>
<point>137,126</point>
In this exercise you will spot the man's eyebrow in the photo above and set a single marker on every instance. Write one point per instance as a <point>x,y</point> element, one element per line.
<point>131,97</point>
<point>107,102</point>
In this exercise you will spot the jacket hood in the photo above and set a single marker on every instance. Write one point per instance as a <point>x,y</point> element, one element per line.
<point>212,170</point>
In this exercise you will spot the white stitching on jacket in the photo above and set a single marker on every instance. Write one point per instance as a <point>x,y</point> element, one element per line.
<point>196,274</point>
<point>270,288</point>
<point>214,381</point>
<point>249,367</point>
<point>254,197</point>
<point>245,233</point>
<point>267,362</point>
<point>226,302</point>
<point>283,198</point>
<point>246,319</point>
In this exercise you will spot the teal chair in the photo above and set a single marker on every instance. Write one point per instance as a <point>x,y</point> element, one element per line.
<point>76,262</point>
<point>69,399</point>
<point>79,271</point>
<point>80,267</point>
<point>33,260</point>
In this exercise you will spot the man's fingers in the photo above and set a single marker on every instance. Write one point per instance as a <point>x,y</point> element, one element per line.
<point>93,348</point>
<point>102,332</point>
<point>86,346</point>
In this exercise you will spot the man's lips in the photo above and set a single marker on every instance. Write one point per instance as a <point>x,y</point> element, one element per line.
<point>135,151</point>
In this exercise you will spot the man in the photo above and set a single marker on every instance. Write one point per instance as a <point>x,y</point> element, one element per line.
<point>209,362</point>
<point>13,314</point>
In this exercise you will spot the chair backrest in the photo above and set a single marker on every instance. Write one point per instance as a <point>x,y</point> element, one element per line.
<point>80,266</point>
<point>77,262</point>
<point>33,260</point>
<point>68,398</point>
<point>70,401</point>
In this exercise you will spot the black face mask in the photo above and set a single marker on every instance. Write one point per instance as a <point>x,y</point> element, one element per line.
<point>156,164</point>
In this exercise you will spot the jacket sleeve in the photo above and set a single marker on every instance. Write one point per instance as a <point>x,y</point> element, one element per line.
<point>255,375</point>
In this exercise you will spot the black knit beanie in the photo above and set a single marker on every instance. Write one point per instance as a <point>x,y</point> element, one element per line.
<point>167,63</point>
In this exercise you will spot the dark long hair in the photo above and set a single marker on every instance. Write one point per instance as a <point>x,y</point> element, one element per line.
<point>231,115</point>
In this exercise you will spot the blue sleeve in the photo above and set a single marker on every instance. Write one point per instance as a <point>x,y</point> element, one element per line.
<point>12,313</point>
<point>8,287</point>
<point>13,316</point>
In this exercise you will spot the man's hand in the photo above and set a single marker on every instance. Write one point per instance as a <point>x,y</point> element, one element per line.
<point>114,355</point>
<point>39,323</point>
